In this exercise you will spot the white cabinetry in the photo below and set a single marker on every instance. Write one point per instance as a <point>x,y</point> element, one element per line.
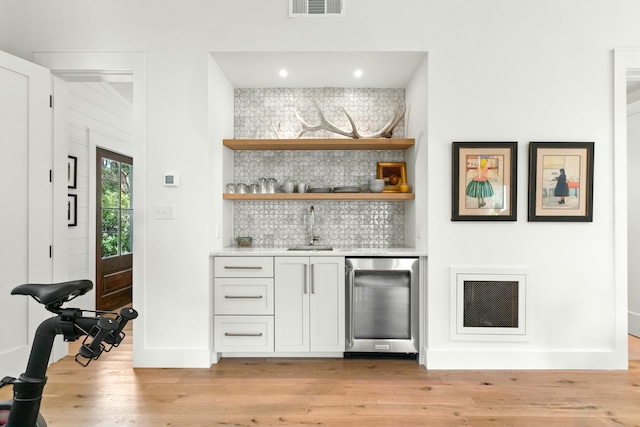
<point>309,304</point>
<point>243,293</point>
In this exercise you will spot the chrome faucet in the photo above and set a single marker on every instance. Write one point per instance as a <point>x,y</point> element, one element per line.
<point>312,222</point>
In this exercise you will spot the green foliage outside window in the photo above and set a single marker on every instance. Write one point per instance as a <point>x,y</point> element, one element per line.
<point>117,215</point>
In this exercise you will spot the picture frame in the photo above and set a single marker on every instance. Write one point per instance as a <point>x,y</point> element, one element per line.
<point>72,210</point>
<point>484,181</point>
<point>72,172</point>
<point>393,174</point>
<point>561,181</point>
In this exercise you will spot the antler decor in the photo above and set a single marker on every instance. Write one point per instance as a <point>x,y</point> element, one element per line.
<point>385,132</point>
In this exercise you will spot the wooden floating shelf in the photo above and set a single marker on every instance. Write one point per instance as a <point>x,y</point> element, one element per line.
<point>320,144</point>
<point>321,196</point>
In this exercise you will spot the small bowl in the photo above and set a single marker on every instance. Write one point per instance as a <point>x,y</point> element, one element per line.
<point>376,185</point>
<point>244,242</point>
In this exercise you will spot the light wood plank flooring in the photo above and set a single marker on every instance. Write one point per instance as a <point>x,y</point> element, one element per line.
<point>255,392</point>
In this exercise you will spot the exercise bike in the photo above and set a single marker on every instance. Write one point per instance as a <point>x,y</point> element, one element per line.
<point>100,334</point>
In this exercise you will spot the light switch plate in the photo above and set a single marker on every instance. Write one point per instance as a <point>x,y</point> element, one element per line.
<point>164,212</point>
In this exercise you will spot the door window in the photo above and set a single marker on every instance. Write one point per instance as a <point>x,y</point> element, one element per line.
<point>117,208</point>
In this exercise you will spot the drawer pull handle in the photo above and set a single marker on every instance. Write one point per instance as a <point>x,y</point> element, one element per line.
<point>231,334</point>
<point>235,267</point>
<point>243,297</point>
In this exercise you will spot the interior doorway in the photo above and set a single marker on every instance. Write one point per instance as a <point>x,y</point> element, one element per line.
<point>114,230</point>
<point>625,61</point>
<point>75,66</point>
<point>633,204</point>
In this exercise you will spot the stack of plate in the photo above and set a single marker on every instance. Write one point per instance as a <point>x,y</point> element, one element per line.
<point>320,190</point>
<point>350,189</point>
<point>346,190</point>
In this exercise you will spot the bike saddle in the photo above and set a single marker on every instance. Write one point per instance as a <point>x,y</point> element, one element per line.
<point>55,293</point>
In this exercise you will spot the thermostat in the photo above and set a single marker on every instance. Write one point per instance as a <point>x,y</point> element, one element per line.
<point>171,180</point>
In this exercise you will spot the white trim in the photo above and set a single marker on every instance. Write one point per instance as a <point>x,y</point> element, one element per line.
<point>634,322</point>
<point>524,277</point>
<point>176,358</point>
<point>624,59</point>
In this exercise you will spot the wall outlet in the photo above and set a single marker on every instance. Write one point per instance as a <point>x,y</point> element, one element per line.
<point>164,212</point>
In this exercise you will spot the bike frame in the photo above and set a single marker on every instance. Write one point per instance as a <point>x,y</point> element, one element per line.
<point>27,390</point>
<point>72,325</point>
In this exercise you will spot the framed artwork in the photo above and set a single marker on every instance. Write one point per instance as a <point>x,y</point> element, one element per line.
<point>484,181</point>
<point>72,172</point>
<point>72,210</point>
<point>561,181</point>
<point>393,174</point>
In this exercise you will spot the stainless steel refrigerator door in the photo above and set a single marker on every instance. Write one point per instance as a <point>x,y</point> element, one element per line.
<point>382,305</point>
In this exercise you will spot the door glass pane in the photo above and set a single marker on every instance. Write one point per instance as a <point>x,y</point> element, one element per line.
<point>126,173</point>
<point>117,202</point>
<point>110,183</point>
<point>126,232</point>
<point>110,235</point>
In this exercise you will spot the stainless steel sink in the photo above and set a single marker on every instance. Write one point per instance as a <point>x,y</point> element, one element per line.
<point>311,248</point>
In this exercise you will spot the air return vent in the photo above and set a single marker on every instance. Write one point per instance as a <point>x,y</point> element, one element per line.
<point>315,8</point>
<point>490,304</point>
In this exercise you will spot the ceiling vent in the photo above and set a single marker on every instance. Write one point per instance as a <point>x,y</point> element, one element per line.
<point>315,8</point>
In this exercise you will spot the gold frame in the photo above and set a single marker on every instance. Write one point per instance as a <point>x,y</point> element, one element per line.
<point>387,169</point>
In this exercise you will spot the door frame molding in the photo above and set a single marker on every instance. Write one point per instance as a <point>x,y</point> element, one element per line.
<point>624,59</point>
<point>109,64</point>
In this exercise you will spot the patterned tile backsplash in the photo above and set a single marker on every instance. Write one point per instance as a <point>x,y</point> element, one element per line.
<point>316,168</point>
<point>347,224</point>
<point>260,113</point>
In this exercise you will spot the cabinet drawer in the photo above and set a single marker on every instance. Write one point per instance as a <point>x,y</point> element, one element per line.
<point>244,333</point>
<point>243,296</point>
<point>229,266</point>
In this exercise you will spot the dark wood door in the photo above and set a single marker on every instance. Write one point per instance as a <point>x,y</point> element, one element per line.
<point>114,230</point>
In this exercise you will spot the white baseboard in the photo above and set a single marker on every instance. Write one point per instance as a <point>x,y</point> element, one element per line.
<point>172,358</point>
<point>634,324</point>
<point>328,355</point>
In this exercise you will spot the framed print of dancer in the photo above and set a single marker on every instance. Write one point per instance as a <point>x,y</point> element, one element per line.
<point>480,187</point>
<point>484,181</point>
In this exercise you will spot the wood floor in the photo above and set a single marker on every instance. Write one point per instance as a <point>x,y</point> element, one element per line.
<point>256,392</point>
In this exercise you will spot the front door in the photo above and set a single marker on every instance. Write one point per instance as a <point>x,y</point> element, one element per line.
<point>114,232</point>
<point>26,197</point>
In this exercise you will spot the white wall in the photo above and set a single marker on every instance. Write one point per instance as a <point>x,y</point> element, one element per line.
<point>499,70</point>
<point>633,147</point>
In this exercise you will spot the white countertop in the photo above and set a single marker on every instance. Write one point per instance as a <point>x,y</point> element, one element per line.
<point>236,251</point>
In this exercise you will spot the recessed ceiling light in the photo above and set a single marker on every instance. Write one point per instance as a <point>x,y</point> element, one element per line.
<point>357,73</point>
<point>283,73</point>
